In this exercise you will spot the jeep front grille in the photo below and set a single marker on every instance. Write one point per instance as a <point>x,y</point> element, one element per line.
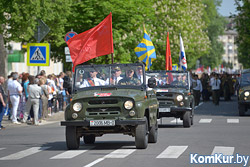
<point>164,94</point>
<point>165,102</point>
<point>104,111</point>
<point>103,101</point>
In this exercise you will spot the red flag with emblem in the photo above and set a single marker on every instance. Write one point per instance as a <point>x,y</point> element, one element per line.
<point>92,43</point>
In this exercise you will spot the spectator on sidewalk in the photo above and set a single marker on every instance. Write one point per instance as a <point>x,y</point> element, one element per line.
<point>61,93</point>
<point>3,100</point>
<point>35,93</point>
<point>44,97</point>
<point>14,93</point>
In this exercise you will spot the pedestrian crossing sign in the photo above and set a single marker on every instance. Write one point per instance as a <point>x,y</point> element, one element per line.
<point>38,54</point>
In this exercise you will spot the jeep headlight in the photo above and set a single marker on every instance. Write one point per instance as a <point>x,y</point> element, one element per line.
<point>77,107</point>
<point>246,93</point>
<point>128,105</point>
<point>179,98</point>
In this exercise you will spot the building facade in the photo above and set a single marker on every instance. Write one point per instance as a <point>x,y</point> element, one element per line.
<point>230,56</point>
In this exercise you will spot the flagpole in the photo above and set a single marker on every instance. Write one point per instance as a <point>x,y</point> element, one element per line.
<point>112,58</point>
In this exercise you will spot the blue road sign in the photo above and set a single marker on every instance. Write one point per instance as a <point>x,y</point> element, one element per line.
<point>38,54</point>
<point>69,35</point>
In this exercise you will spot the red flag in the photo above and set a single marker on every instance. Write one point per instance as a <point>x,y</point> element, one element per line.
<point>95,42</point>
<point>202,68</point>
<point>168,55</point>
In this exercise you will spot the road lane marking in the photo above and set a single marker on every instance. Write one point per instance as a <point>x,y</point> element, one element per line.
<point>69,154</point>
<point>94,162</point>
<point>178,120</point>
<point>120,153</point>
<point>198,105</point>
<point>24,153</point>
<point>233,121</point>
<point>205,121</point>
<point>2,149</point>
<point>172,152</point>
<point>223,150</point>
<point>72,153</point>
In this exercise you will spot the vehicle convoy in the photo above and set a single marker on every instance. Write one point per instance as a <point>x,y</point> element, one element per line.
<point>244,92</point>
<point>111,98</point>
<point>175,96</point>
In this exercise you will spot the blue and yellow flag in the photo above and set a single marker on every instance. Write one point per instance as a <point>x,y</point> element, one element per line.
<point>145,51</point>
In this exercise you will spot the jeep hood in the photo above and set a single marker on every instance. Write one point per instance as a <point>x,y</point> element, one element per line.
<point>173,90</point>
<point>136,94</point>
<point>245,87</point>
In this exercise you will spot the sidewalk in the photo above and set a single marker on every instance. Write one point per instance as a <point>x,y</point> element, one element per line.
<point>56,117</point>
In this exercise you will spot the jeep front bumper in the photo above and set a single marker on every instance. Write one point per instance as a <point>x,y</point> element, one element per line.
<point>86,123</point>
<point>175,112</point>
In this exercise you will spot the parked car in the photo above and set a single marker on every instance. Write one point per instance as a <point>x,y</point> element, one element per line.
<point>244,92</point>
<point>111,98</point>
<point>174,93</point>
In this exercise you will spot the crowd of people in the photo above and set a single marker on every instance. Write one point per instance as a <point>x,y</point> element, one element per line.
<point>215,85</point>
<point>32,99</point>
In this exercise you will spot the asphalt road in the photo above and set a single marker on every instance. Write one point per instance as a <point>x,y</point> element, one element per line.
<point>216,129</point>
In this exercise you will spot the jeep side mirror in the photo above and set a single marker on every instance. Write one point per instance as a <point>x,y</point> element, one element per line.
<point>151,82</point>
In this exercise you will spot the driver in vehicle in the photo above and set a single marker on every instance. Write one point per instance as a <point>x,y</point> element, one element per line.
<point>92,80</point>
<point>129,79</point>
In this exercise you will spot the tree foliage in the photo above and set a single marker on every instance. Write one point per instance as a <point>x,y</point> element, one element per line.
<point>243,29</point>
<point>191,18</point>
<point>215,28</point>
<point>175,17</point>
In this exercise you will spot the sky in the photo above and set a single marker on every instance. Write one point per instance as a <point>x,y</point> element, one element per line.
<point>227,7</point>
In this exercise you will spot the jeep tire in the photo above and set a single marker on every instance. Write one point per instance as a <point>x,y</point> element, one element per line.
<point>72,139</point>
<point>187,119</point>
<point>153,133</point>
<point>89,139</point>
<point>141,135</point>
<point>241,109</point>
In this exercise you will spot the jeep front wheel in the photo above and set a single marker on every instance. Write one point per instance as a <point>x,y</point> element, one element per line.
<point>72,140</point>
<point>241,109</point>
<point>153,133</point>
<point>187,119</point>
<point>141,135</point>
<point>89,139</point>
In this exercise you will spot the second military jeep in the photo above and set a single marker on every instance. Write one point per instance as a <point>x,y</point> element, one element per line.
<point>174,93</point>
<point>111,99</point>
<point>244,92</point>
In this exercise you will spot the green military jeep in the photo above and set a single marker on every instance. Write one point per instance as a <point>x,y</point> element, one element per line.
<point>174,93</point>
<point>244,92</point>
<point>111,98</point>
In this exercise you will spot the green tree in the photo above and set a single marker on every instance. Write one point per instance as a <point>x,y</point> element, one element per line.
<point>175,17</point>
<point>19,18</point>
<point>127,18</point>
<point>215,27</point>
<point>243,29</point>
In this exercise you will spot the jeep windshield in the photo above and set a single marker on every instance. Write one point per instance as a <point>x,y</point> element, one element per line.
<point>245,79</point>
<point>118,75</point>
<point>168,79</point>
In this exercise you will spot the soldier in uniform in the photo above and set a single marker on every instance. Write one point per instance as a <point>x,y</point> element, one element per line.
<point>129,79</point>
<point>179,81</point>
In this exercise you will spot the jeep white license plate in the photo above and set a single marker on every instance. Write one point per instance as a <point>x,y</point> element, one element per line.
<point>164,109</point>
<point>102,123</point>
